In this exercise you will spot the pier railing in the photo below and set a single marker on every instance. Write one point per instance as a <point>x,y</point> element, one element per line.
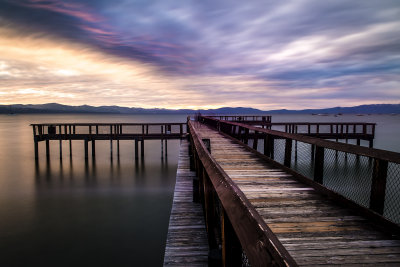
<point>236,232</point>
<point>243,118</point>
<point>326,130</point>
<point>90,132</point>
<point>108,130</point>
<point>368,177</point>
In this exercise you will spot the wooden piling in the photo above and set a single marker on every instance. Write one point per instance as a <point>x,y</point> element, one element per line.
<point>86,148</point>
<point>136,149</point>
<point>70,147</point>
<point>47,148</point>
<point>36,146</point>
<point>93,148</point>
<point>162,149</point>
<point>111,147</point>
<point>60,148</point>
<point>142,149</point>
<point>166,147</point>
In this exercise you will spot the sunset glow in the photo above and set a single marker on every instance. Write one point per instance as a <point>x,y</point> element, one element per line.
<point>266,55</point>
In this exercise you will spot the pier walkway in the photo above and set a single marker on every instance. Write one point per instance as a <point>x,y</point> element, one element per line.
<point>187,239</point>
<point>302,227</point>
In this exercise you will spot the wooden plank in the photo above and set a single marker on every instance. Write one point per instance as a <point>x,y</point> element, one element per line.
<point>187,243</point>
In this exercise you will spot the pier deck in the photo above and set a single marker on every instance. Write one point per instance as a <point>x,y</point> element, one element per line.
<point>313,229</point>
<point>187,240</point>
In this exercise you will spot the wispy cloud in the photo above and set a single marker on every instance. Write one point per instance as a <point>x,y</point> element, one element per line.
<point>266,54</point>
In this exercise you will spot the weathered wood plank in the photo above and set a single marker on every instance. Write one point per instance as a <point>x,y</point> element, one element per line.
<point>187,243</point>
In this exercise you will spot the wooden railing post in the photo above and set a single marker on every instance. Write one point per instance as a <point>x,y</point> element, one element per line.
<point>246,135</point>
<point>255,140</point>
<point>288,152</point>
<point>319,164</point>
<point>378,186</point>
<point>214,256</point>
<point>231,248</point>
<point>266,145</point>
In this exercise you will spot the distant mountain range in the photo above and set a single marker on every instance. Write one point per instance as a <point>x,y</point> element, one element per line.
<point>58,108</point>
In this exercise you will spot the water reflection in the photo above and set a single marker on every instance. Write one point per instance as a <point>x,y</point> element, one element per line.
<point>99,212</point>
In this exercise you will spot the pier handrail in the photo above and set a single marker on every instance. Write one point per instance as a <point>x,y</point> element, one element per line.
<point>348,148</point>
<point>376,164</point>
<point>247,118</point>
<point>260,244</point>
<point>114,128</point>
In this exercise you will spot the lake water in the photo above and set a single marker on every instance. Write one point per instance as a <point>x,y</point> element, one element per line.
<point>109,212</point>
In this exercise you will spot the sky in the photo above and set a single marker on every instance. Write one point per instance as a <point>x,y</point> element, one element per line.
<point>177,54</point>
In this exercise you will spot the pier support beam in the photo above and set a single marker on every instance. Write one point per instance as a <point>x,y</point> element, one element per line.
<point>162,149</point>
<point>86,145</point>
<point>142,149</point>
<point>70,148</point>
<point>60,149</point>
<point>36,144</point>
<point>166,147</point>
<point>136,149</point>
<point>47,149</point>
<point>111,148</point>
<point>93,148</point>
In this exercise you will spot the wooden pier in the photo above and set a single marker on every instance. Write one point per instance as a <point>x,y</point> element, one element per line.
<point>249,195</point>
<point>187,239</point>
<point>281,220</point>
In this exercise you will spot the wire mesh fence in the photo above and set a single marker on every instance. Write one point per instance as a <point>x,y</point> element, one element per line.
<point>303,158</point>
<point>279,150</point>
<point>392,200</point>
<point>348,174</point>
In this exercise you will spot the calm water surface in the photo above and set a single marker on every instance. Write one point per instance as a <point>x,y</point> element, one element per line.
<point>65,213</point>
<point>109,212</point>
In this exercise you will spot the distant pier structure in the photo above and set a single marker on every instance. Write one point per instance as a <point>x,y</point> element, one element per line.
<point>92,132</point>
